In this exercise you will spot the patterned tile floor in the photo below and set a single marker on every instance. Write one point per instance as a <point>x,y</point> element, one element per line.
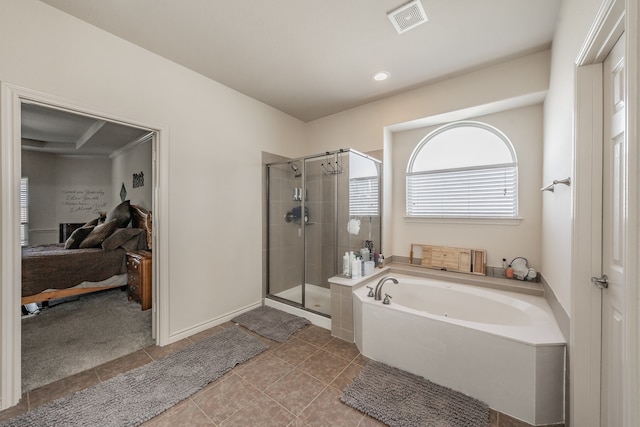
<point>297,383</point>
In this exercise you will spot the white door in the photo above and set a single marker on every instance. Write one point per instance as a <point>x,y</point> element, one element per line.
<point>614,232</point>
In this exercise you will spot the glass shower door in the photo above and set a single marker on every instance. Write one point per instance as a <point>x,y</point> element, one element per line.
<point>319,233</point>
<point>285,233</point>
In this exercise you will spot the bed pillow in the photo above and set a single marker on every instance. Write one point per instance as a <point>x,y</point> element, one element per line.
<point>96,221</point>
<point>78,235</point>
<point>121,213</point>
<point>120,237</point>
<point>98,234</point>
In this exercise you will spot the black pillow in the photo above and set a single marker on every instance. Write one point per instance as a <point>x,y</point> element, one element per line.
<point>78,235</point>
<point>121,213</point>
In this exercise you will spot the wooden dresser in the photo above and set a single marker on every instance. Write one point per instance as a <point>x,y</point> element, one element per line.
<point>139,277</point>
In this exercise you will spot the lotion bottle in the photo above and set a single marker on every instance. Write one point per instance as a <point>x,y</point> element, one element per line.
<point>345,264</point>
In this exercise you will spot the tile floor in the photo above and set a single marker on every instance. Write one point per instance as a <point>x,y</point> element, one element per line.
<point>297,383</point>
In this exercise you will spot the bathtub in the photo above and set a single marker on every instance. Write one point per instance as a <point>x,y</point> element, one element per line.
<point>503,348</point>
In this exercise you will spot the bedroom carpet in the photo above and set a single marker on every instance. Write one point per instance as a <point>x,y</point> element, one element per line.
<point>271,323</point>
<point>401,399</point>
<point>135,396</point>
<point>80,334</point>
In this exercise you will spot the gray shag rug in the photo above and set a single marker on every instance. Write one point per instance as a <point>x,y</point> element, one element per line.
<point>401,399</point>
<point>271,323</point>
<point>81,333</point>
<point>135,396</point>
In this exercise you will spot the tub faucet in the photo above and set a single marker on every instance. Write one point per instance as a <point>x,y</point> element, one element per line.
<point>378,291</point>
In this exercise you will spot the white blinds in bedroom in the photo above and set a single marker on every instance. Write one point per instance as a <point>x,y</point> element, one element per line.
<point>24,211</point>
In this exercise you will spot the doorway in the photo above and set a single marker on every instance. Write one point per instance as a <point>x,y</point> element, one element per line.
<point>10,340</point>
<point>74,168</point>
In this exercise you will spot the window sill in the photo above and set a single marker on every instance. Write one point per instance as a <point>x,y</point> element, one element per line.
<point>481,221</point>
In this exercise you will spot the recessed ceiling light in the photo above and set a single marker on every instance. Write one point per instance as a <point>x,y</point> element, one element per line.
<point>381,76</point>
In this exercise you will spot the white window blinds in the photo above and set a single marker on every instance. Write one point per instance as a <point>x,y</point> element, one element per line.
<point>463,170</point>
<point>363,196</point>
<point>464,193</point>
<point>24,211</point>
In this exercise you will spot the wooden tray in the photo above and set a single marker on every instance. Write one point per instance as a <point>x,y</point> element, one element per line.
<point>462,260</point>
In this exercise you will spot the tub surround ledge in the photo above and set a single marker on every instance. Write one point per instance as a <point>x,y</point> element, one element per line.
<point>492,282</point>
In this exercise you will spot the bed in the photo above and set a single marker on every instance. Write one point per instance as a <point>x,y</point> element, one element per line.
<point>91,260</point>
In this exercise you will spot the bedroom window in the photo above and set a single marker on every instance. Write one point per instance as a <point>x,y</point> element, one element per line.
<point>463,170</point>
<point>24,211</point>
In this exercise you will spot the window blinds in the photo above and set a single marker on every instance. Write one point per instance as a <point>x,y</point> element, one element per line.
<point>487,192</point>
<point>24,211</point>
<point>363,196</point>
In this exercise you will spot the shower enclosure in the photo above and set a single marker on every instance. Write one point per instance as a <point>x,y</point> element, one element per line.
<point>319,207</point>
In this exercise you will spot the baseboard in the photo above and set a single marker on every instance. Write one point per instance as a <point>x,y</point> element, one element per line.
<point>316,319</point>
<point>185,333</point>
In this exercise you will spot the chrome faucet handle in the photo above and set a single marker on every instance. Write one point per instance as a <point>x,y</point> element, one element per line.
<point>370,294</point>
<point>387,299</point>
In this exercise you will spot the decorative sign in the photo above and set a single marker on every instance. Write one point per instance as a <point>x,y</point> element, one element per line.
<point>138,180</point>
<point>123,192</point>
<point>84,200</point>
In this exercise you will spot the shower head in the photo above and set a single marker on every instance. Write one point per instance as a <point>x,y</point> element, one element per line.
<point>295,169</point>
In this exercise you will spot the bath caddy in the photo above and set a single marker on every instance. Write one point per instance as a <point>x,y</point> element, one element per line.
<point>462,260</point>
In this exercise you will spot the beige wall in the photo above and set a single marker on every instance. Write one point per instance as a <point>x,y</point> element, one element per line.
<point>214,145</point>
<point>575,20</point>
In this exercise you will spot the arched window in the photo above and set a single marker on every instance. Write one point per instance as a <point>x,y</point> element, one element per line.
<point>463,170</point>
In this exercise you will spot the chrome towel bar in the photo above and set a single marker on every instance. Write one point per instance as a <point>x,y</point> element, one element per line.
<point>551,187</point>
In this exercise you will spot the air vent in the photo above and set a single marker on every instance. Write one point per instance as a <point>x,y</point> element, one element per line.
<point>408,16</point>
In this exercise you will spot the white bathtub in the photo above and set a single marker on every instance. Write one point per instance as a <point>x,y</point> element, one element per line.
<point>501,347</point>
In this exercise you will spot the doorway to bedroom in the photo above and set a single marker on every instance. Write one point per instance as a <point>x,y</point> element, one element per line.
<point>86,196</point>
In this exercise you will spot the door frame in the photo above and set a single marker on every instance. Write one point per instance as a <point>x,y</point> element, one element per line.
<point>11,98</point>
<point>614,18</point>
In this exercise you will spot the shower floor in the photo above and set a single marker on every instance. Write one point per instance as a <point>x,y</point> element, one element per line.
<point>317,298</point>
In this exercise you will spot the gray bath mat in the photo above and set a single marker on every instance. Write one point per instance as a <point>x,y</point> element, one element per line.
<point>401,399</point>
<point>138,395</point>
<point>271,323</point>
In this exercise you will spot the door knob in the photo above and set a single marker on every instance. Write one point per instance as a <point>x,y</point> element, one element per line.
<point>601,282</point>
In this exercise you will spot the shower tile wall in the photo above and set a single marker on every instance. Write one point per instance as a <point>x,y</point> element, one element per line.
<point>328,268</point>
<point>320,238</point>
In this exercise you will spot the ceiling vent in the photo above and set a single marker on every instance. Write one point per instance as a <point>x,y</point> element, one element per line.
<point>408,16</point>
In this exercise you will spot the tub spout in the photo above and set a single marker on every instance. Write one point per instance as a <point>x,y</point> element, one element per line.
<point>378,291</point>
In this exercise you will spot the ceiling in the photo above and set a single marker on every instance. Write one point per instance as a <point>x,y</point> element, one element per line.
<point>307,58</point>
<point>56,131</point>
<point>312,58</point>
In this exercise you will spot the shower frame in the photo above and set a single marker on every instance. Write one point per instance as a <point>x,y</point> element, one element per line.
<point>338,163</point>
